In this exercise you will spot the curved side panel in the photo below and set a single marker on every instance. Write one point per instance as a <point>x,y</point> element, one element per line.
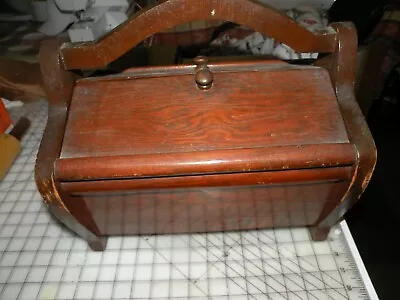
<point>342,67</point>
<point>59,86</point>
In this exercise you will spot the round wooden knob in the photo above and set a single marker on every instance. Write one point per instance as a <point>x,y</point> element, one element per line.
<point>204,78</point>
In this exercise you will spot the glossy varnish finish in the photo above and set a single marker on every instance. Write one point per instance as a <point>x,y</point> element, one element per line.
<point>341,65</point>
<point>182,210</point>
<point>171,114</point>
<point>206,162</point>
<point>59,85</point>
<point>212,180</point>
<point>147,151</point>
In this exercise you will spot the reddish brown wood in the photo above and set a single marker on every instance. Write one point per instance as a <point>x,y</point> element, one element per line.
<point>184,69</point>
<point>212,202</point>
<point>234,179</point>
<point>207,162</point>
<point>146,151</point>
<point>197,209</point>
<point>171,114</point>
<point>59,85</point>
<point>342,66</point>
<point>169,13</point>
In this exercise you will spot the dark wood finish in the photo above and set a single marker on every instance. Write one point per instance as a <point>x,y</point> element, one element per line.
<point>207,162</point>
<point>171,114</point>
<point>147,151</point>
<point>212,202</point>
<point>342,66</point>
<point>59,85</point>
<point>196,209</point>
<point>185,69</point>
<point>250,13</point>
<point>233,179</point>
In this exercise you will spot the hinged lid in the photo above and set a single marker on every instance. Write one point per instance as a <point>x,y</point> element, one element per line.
<point>161,112</point>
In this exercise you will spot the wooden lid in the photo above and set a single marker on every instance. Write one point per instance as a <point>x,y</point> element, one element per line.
<point>163,112</point>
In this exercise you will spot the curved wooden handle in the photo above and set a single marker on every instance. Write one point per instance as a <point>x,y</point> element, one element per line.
<point>169,13</point>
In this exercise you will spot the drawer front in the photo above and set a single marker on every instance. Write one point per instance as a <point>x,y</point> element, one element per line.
<point>206,209</point>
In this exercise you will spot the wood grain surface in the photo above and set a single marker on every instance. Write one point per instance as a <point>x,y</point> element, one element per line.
<point>147,151</point>
<point>170,114</point>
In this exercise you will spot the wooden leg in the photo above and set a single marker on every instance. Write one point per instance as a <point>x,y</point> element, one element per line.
<point>98,243</point>
<point>95,242</point>
<point>319,233</point>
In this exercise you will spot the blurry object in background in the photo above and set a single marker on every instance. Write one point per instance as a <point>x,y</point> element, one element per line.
<point>58,19</point>
<point>39,10</point>
<point>21,41</point>
<point>383,57</point>
<point>9,138</point>
<point>10,145</point>
<point>9,13</point>
<point>365,14</point>
<point>21,6</point>
<point>369,78</point>
<point>5,119</point>
<point>20,80</point>
<point>256,43</point>
<point>90,19</point>
<point>388,103</point>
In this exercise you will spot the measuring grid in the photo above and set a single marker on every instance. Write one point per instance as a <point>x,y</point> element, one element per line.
<point>40,259</point>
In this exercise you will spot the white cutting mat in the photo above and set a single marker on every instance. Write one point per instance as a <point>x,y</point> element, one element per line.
<point>40,259</point>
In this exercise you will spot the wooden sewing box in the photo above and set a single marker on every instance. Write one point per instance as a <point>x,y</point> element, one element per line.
<point>206,146</point>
